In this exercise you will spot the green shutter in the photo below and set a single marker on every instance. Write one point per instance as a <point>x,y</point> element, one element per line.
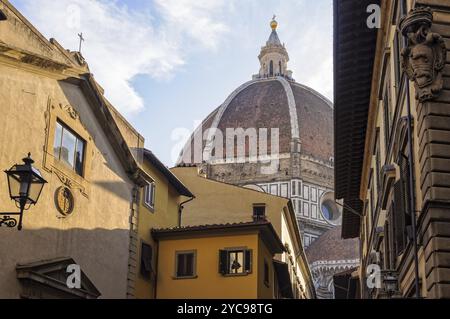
<point>223,262</point>
<point>248,261</point>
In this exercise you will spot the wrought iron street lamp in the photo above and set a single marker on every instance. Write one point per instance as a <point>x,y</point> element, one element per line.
<point>25,184</point>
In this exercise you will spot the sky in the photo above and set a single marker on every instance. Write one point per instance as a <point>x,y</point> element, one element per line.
<point>166,64</point>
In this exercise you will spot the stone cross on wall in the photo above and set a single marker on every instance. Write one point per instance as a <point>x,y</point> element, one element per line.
<point>80,35</point>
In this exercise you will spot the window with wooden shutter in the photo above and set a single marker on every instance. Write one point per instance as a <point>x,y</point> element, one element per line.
<point>397,66</point>
<point>387,111</point>
<point>266,273</point>
<point>185,264</point>
<point>406,184</point>
<point>387,248</point>
<point>223,262</point>
<point>146,260</point>
<point>399,220</point>
<point>235,261</point>
<point>248,261</point>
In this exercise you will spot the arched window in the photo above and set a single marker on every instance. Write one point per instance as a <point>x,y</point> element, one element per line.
<point>271,68</point>
<point>279,64</point>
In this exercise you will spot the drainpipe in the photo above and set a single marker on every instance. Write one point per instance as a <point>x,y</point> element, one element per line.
<point>180,209</point>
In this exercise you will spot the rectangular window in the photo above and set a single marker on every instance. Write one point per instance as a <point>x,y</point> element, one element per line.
<point>274,189</point>
<point>314,194</point>
<point>284,190</point>
<point>372,204</point>
<point>387,112</point>
<point>314,211</point>
<point>259,212</point>
<point>305,209</point>
<point>306,192</point>
<point>266,273</point>
<point>402,206</point>
<point>235,261</point>
<point>69,148</point>
<point>294,188</point>
<point>146,260</point>
<point>185,264</point>
<point>149,195</point>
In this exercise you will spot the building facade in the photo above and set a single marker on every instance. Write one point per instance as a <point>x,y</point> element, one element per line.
<point>52,107</point>
<point>274,135</point>
<point>221,203</point>
<point>159,207</point>
<point>392,136</point>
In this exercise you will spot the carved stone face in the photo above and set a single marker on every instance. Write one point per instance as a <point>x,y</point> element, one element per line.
<point>422,60</point>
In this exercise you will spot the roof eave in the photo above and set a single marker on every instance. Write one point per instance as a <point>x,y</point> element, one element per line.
<point>352,88</point>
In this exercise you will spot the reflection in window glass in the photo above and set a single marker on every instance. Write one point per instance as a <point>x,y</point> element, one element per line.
<point>69,148</point>
<point>236,262</point>
<point>58,137</point>
<point>67,154</point>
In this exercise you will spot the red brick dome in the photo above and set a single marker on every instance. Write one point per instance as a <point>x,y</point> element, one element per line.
<point>297,111</point>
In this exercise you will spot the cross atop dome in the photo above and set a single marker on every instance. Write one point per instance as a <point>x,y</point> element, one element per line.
<point>273,57</point>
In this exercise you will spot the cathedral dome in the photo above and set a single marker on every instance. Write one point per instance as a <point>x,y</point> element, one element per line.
<point>297,111</point>
<point>330,247</point>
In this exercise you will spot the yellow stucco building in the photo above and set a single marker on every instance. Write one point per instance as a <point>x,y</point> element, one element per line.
<point>52,106</point>
<point>159,207</point>
<point>231,261</point>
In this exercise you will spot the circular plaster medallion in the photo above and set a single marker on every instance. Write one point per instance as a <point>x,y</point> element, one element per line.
<point>64,200</point>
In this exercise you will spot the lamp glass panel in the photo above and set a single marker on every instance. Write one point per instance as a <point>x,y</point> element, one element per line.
<point>14,185</point>
<point>35,191</point>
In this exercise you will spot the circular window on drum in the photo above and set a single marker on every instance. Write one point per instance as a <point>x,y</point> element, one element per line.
<point>330,210</point>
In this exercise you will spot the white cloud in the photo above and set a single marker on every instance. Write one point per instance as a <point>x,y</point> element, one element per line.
<point>200,19</point>
<point>122,43</point>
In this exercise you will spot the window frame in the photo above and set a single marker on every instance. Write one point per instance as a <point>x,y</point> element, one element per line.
<point>246,271</point>
<point>257,217</point>
<point>266,273</point>
<point>143,272</point>
<point>152,186</point>
<point>78,138</point>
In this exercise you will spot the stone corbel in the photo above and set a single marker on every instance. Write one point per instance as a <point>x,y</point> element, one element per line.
<point>423,59</point>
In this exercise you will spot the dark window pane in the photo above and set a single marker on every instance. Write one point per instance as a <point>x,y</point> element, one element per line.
<point>266,272</point>
<point>259,212</point>
<point>185,265</point>
<point>57,143</point>
<point>189,265</point>
<point>180,264</point>
<point>79,156</point>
